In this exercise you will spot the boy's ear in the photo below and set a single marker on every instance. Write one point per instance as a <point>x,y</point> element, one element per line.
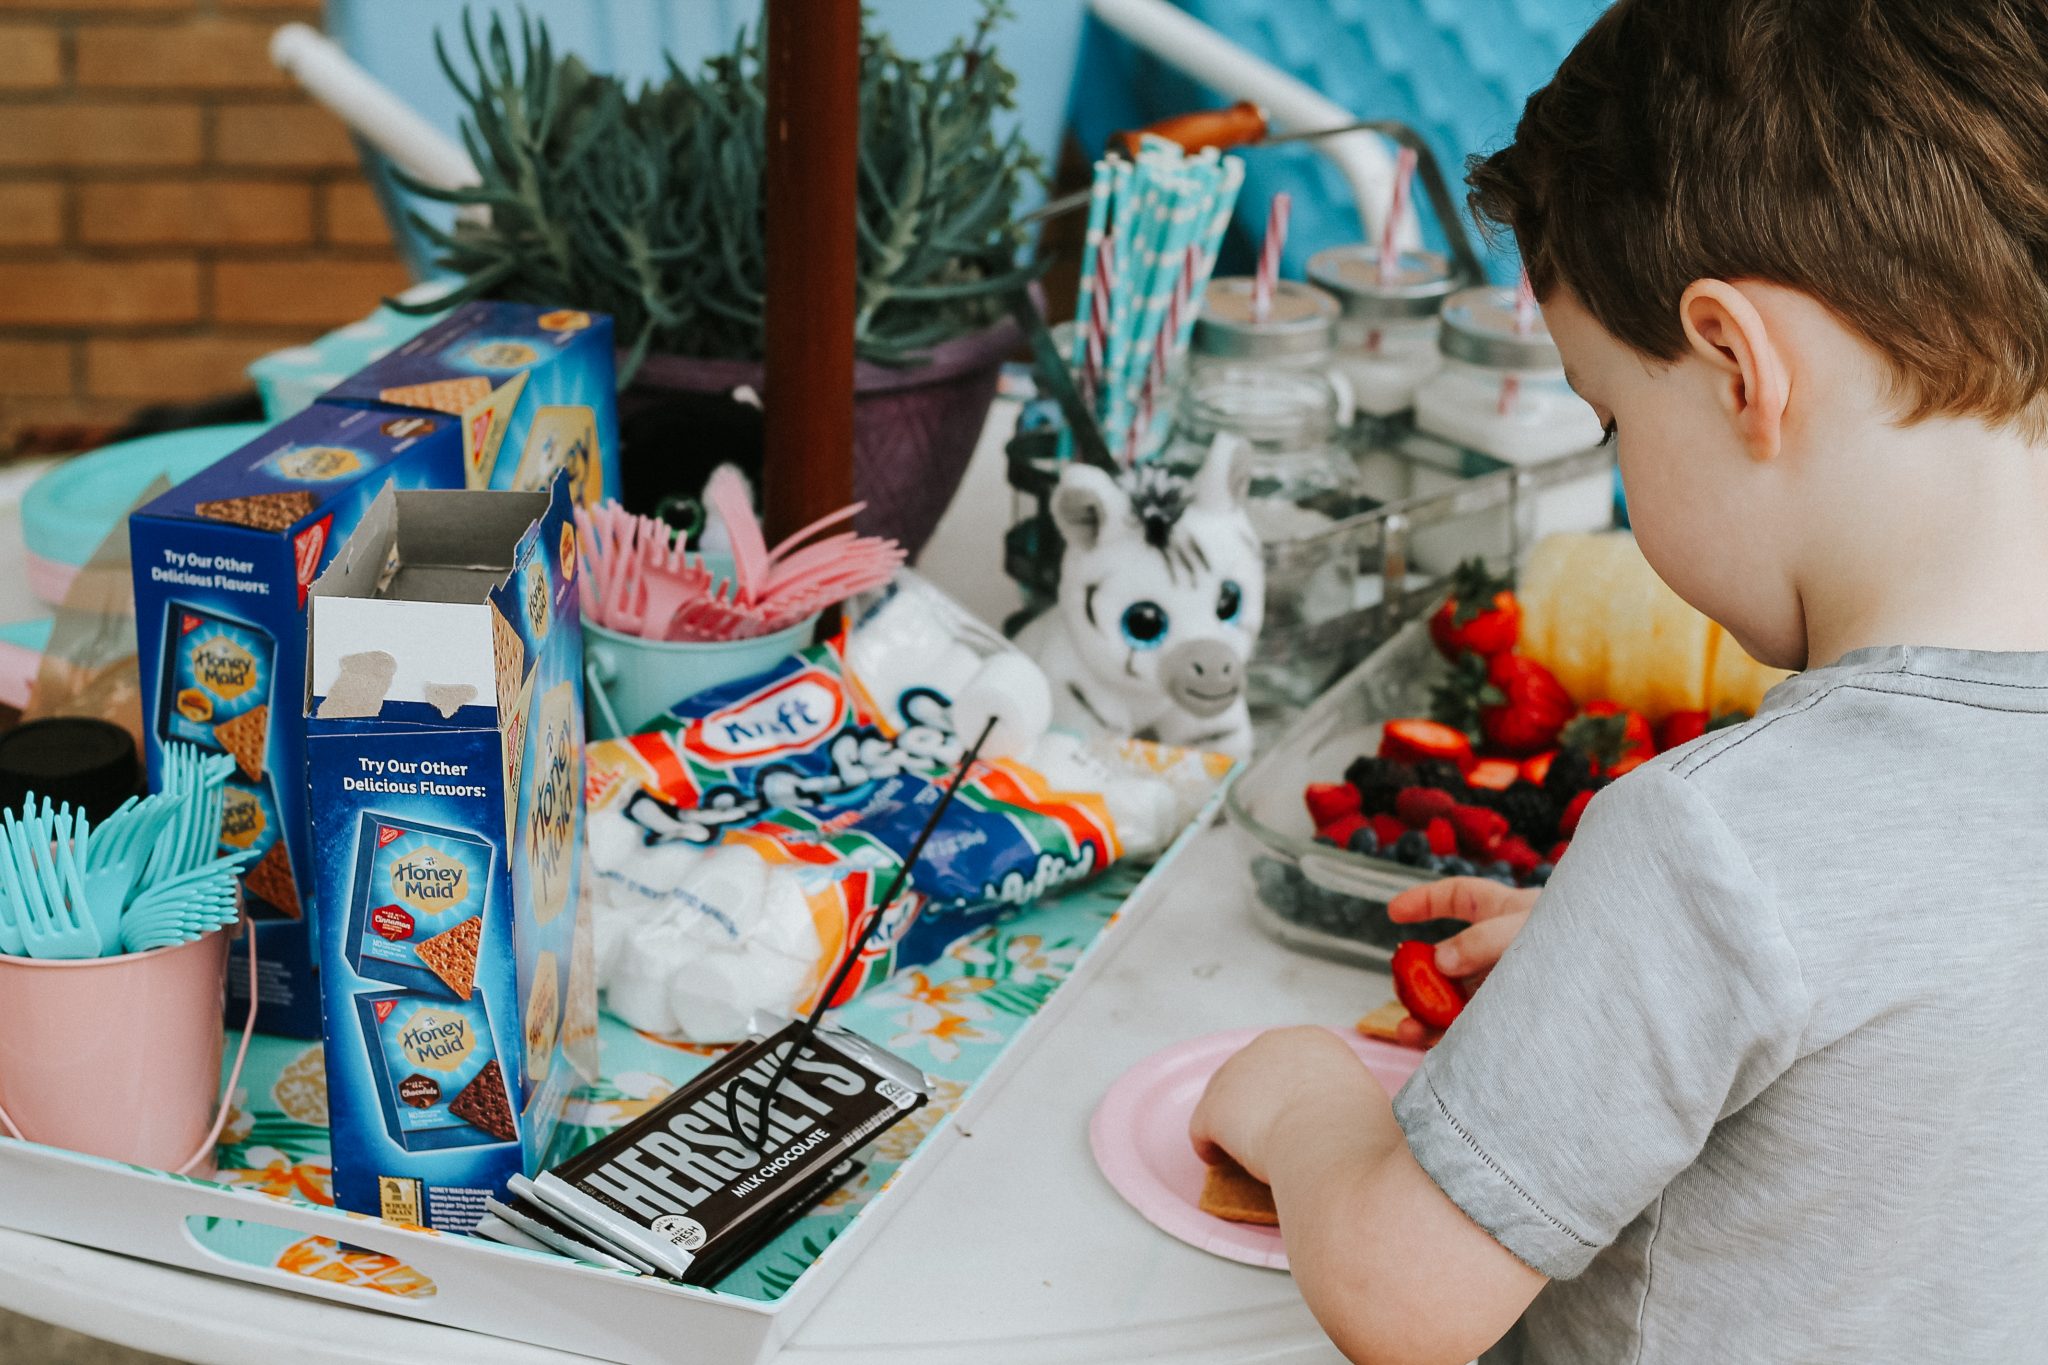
<point>1725,330</point>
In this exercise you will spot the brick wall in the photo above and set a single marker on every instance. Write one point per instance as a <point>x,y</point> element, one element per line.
<point>170,206</point>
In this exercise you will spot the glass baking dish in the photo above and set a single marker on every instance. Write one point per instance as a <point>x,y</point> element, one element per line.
<point>1310,896</point>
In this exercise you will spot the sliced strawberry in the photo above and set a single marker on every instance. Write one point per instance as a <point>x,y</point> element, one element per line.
<point>1574,811</point>
<point>1417,806</point>
<point>1681,727</point>
<point>1433,998</point>
<point>1328,800</point>
<point>1535,769</point>
<point>1479,831</point>
<point>1495,774</point>
<point>1526,706</point>
<point>1340,830</point>
<point>1388,828</point>
<point>1415,740</point>
<point>1481,617</point>
<point>1443,840</point>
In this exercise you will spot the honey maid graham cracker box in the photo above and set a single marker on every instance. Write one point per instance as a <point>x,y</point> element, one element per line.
<point>222,565</point>
<point>535,389</point>
<point>444,747</point>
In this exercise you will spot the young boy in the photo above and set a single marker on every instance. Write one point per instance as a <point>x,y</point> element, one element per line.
<point>1763,1075</point>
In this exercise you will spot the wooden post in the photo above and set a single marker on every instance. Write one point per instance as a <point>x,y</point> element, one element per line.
<point>813,143</point>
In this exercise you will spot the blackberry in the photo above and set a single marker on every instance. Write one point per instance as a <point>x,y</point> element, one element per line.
<point>1377,780</point>
<point>1532,812</point>
<point>1442,775</point>
<point>1571,772</point>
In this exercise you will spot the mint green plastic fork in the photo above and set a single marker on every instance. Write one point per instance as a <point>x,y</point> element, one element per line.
<point>45,885</point>
<point>184,907</point>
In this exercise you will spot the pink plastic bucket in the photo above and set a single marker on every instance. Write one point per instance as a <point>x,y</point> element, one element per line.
<point>119,1057</point>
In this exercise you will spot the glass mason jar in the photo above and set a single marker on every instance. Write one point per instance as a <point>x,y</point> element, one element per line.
<point>1303,481</point>
<point>1387,335</point>
<point>1501,392</point>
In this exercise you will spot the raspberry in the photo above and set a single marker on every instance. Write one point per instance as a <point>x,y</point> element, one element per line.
<point>1568,823</point>
<point>1417,806</point>
<point>1329,800</point>
<point>1478,830</point>
<point>1340,830</point>
<point>1557,851</point>
<point>1388,830</point>
<point>1443,840</point>
<point>1517,855</point>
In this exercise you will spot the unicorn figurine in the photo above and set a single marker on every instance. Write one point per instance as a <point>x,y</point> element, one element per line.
<point>1162,591</point>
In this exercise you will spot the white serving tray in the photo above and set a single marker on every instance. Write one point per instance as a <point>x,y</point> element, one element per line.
<point>480,1286</point>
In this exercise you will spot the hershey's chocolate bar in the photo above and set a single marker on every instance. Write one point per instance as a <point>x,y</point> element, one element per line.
<point>680,1188</point>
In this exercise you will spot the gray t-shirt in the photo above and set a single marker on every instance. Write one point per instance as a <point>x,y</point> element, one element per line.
<point>1765,1077</point>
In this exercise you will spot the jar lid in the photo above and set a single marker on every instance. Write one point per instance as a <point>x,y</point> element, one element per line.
<point>1479,329</point>
<point>1302,321</point>
<point>79,759</point>
<point>1420,283</point>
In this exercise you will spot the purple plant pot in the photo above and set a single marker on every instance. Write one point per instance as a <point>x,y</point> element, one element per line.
<point>914,427</point>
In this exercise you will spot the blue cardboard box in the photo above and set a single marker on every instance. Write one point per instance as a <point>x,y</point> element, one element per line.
<point>444,771</point>
<point>536,390</point>
<point>222,565</point>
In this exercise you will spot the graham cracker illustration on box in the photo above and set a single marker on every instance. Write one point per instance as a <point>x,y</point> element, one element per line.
<point>508,653</point>
<point>485,1104</point>
<point>260,511</point>
<point>451,955</point>
<point>562,437</point>
<point>452,396</point>
<point>483,431</point>
<point>244,737</point>
<point>579,1007</point>
<point>551,811</point>
<point>271,879</point>
<point>543,1015</point>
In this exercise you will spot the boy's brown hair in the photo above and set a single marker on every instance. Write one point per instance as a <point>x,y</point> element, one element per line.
<point>1888,157</point>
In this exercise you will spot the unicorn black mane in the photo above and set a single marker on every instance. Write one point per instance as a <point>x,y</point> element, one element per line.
<point>1158,498</point>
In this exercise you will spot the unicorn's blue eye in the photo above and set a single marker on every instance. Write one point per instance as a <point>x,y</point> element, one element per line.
<point>1229,600</point>
<point>1145,625</point>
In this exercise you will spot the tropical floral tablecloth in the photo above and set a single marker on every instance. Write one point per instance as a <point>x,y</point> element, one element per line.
<point>953,1017</point>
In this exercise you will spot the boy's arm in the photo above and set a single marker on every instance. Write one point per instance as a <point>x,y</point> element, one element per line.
<point>1392,1269</point>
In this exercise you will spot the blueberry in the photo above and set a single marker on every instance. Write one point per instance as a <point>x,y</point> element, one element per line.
<point>1412,848</point>
<point>1363,840</point>
<point>1499,868</point>
<point>1541,876</point>
<point>1458,867</point>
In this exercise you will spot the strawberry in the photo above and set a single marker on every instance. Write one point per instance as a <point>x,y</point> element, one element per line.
<point>1482,616</point>
<point>1433,998</point>
<point>1443,839</point>
<point>1328,800</point>
<point>1340,830</point>
<point>1387,829</point>
<point>1416,740</point>
<point>1680,727</point>
<point>1516,853</point>
<point>1495,774</point>
<point>1535,769</point>
<point>1479,831</point>
<point>1628,763</point>
<point>1574,811</point>
<point>1526,706</point>
<point>1609,735</point>
<point>1417,806</point>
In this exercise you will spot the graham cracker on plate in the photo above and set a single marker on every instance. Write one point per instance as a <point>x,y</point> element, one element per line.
<point>451,955</point>
<point>1233,1193</point>
<point>484,1104</point>
<point>244,737</point>
<point>271,879</point>
<point>455,396</point>
<point>260,511</point>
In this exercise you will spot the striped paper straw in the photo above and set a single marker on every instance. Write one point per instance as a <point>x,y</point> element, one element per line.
<point>1097,322</point>
<point>1091,315</point>
<point>1268,273</point>
<point>1397,209</point>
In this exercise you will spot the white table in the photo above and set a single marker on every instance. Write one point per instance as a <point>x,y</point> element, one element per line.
<point>1083,1281</point>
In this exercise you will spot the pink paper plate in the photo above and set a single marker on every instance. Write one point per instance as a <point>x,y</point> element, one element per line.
<point>1140,1138</point>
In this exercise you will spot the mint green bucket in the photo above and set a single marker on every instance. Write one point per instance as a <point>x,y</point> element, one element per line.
<point>630,681</point>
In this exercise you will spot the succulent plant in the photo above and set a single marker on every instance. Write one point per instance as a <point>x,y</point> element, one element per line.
<point>647,204</point>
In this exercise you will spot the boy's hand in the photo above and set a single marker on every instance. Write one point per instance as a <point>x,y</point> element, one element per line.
<point>1279,1070</point>
<point>1496,914</point>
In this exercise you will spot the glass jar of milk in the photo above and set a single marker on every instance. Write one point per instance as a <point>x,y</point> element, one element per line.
<point>1386,337</point>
